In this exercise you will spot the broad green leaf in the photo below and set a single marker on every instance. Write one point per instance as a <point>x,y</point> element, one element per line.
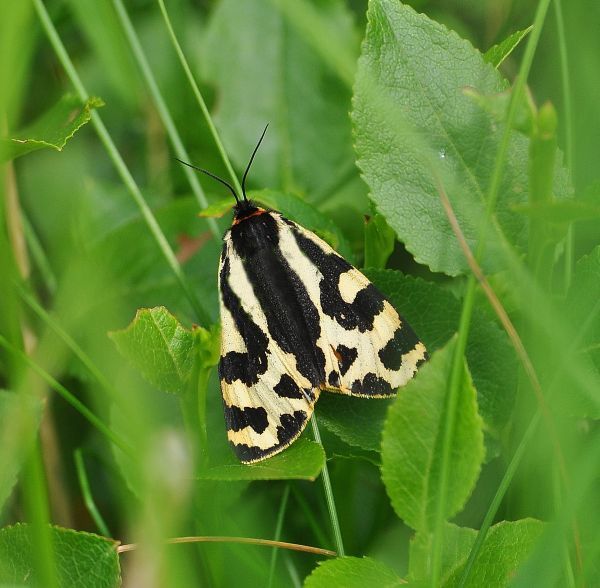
<point>338,448</point>
<point>82,559</point>
<point>379,242</point>
<point>160,348</point>
<point>506,546</point>
<point>434,313</point>
<point>20,417</point>
<point>415,129</point>
<point>53,129</point>
<point>498,53</point>
<point>353,572</point>
<point>357,421</point>
<point>302,460</point>
<point>411,447</point>
<point>269,74</point>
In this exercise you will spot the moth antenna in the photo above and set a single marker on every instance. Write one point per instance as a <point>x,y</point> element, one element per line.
<point>213,176</point>
<point>250,162</point>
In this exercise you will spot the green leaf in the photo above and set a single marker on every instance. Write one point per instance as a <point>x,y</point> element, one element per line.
<point>506,546</point>
<point>20,417</point>
<point>433,312</point>
<point>357,421</point>
<point>217,209</point>
<point>302,460</point>
<point>82,559</point>
<point>160,348</point>
<point>309,139</point>
<point>415,129</point>
<point>53,129</point>
<point>496,105</point>
<point>412,438</point>
<point>498,53</point>
<point>353,572</point>
<point>379,242</point>
<point>456,545</point>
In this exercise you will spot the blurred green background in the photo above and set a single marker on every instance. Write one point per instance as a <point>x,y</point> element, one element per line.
<point>85,253</point>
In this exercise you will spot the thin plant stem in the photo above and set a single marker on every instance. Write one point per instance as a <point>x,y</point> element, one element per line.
<point>468,301</point>
<point>518,346</point>
<point>39,255</point>
<point>200,99</point>
<point>292,571</point>
<point>161,106</point>
<point>518,455</point>
<point>558,501</point>
<point>37,508</point>
<point>502,315</point>
<point>565,79</point>
<point>278,529</point>
<point>247,540</point>
<point>456,376</point>
<point>69,397</point>
<point>335,525</point>
<point>119,164</point>
<point>86,492</point>
<point>498,497</point>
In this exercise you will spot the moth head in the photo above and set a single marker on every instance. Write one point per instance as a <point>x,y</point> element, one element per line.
<point>243,206</point>
<point>244,209</point>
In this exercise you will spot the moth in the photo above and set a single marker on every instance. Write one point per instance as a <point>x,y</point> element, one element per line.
<point>297,319</point>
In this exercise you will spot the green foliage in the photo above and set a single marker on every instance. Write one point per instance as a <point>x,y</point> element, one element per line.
<point>379,242</point>
<point>353,572</point>
<point>506,546</point>
<point>408,95</point>
<point>303,461</point>
<point>52,129</point>
<point>498,53</point>
<point>497,105</point>
<point>431,116</point>
<point>489,355</point>
<point>310,138</point>
<point>412,439</point>
<point>433,312</point>
<point>161,348</point>
<point>81,559</point>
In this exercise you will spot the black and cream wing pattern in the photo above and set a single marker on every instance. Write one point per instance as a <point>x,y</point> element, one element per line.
<point>298,319</point>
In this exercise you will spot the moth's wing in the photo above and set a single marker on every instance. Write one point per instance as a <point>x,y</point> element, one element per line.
<point>267,401</point>
<point>370,350</point>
